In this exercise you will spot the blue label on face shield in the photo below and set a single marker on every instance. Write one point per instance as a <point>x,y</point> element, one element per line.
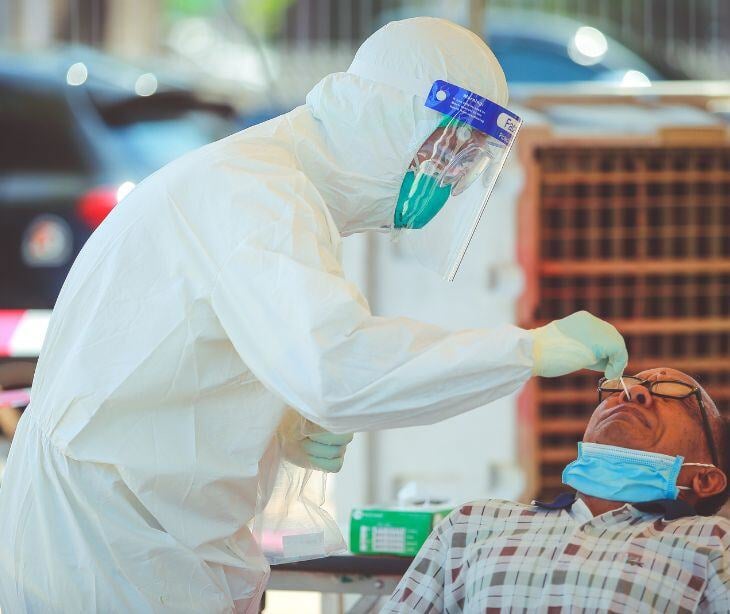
<point>473,109</point>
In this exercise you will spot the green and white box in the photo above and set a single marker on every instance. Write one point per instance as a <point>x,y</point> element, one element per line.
<point>399,531</point>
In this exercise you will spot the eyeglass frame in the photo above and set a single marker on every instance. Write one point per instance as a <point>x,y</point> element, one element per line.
<point>696,392</point>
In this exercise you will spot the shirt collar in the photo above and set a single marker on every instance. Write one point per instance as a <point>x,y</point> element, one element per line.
<point>564,501</point>
<point>670,509</point>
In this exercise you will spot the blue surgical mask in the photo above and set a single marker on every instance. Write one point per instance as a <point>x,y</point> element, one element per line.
<point>622,474</point>
<point>421,197</point>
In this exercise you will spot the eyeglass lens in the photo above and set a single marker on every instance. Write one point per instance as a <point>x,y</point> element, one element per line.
<point>677,389</point>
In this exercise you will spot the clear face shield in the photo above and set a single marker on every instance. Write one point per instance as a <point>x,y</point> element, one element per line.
<point>451,176</point>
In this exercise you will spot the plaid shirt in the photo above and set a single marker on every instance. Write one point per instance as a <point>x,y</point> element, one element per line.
<point>497,556</point>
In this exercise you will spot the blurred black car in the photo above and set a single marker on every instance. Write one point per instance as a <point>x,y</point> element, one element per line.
<point>77,131</point>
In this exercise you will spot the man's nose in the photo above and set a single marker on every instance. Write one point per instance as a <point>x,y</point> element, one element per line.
<point>639,394</point>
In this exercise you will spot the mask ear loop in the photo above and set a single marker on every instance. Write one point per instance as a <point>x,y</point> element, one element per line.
<point>694,465</point>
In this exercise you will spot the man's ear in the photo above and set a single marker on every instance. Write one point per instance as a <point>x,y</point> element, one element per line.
<point>709,481</point>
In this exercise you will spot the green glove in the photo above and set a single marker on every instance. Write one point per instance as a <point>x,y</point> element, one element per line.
<point>307,445</point>
<point>326,451</point>
<point>580,341</point>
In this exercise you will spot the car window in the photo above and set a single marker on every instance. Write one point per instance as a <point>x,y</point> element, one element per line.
<point>153,142</point>
<point>152,131</point>
<point>37,133</point>
<point>525,62</point>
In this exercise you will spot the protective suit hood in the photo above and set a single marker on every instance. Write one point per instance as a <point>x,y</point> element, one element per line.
<point>372,118</point>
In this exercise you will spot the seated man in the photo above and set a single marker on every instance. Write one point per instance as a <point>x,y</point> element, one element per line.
<point>639,535</point>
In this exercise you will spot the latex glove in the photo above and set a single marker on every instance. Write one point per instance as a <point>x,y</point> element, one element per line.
<point>580,341</point>
<point>307,445</point>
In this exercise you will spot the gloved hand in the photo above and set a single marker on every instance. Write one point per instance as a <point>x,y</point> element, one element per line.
<point>580,341</point>
<point>307,445</point>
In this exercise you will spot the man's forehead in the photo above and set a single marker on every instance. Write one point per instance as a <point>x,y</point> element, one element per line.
<point>667,373</point>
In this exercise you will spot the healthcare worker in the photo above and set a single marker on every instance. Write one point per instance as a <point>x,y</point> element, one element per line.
<point>212,301</point>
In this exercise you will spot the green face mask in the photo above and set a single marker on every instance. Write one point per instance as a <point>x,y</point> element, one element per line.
<point>420,199</point>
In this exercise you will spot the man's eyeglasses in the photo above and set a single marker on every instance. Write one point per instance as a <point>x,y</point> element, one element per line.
<point>668,389</point>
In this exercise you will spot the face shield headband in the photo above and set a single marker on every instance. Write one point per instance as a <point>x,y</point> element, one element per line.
<point>451,176</point>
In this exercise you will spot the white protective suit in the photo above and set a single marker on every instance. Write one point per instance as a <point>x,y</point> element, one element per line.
<point>210,299</point>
